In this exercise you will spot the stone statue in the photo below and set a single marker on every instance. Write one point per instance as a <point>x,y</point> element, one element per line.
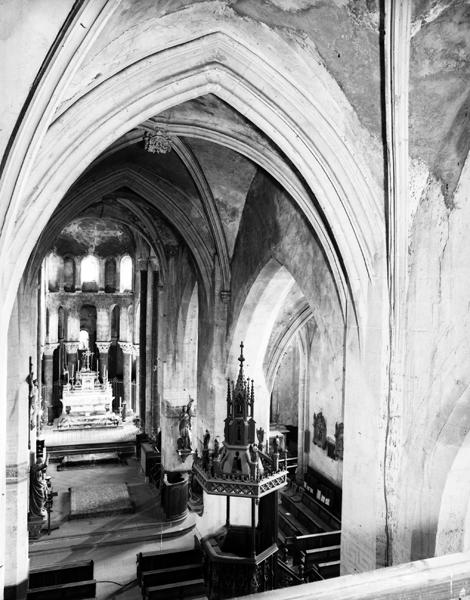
<point>33,400</point>
<point>216,447</point>
<point>260,436</point>
<point>319,430</point>
<point>37,489</point>
<point>206,439</point>
<point>184,441</point>
<point>276,445</point>
<point>339,431</point>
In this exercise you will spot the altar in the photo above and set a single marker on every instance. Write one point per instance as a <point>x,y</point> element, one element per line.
<point>87,401</point>
<point>86,395</point>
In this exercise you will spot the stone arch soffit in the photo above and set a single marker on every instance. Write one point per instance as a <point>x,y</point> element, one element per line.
<point>260,93</point>
<point>142,184</point>
<point>282,342</point>
<point>449,480</point>
<point>257,316</point>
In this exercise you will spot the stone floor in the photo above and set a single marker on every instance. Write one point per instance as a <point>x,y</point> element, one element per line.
<point>111,541</point>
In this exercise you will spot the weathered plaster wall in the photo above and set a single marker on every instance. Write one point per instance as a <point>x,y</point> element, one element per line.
<point>285,394</point>
<point>440,90</point>
<point>326,396</point>
<point>438,404</point>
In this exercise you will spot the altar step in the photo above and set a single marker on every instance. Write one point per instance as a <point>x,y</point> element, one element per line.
<point>119,448</point>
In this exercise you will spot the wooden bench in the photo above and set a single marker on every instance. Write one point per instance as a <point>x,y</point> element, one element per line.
<point>151,561</point>
<point>171,574</point>
<point>289,524</point>
<point>329,569</point>
<point>193,588</point>
<point>330,521</point>
<point>316,556</point>
<point>77,590</point>
<point>64,573</point>
<point>299,543</point>
<point>303,514</point>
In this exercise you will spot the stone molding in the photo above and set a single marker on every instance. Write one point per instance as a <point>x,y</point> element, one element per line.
<point>16,473</point>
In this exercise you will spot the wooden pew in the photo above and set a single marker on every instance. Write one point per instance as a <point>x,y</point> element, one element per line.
<point>315,556</point>
<point>302,513</point>
<point>329,569</point>
<point>171,574</point>
<point>63,573</point>
<point>151,561</point>
<point>299,543</point>
<point>77,590</point>
<point>330,521</point>
<point>288,525</point>
<point>193,588</point>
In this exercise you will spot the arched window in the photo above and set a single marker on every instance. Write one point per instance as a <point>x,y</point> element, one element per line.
<point>83,340</point>
<point>126,274</point>
<point>69,275</point>
<point>90,272</point>
<point>53,272</point>
<point>110,275</point>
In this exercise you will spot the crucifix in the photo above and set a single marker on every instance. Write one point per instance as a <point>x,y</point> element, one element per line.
<point>88,358</point>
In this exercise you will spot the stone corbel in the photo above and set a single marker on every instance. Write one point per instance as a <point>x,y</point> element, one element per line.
<point>135,350</point>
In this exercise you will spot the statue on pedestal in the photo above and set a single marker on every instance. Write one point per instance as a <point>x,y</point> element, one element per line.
<point>37,489</point>
<point>184,441</point>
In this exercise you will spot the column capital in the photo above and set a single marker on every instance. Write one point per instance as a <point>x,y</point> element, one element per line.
<point>126,347</point>
<point>71,347</point>
<point>49,349</point>
<point>103,347</point>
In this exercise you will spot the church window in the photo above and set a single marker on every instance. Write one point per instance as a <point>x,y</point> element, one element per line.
<point>126,274</point>
<point>90,273</point>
